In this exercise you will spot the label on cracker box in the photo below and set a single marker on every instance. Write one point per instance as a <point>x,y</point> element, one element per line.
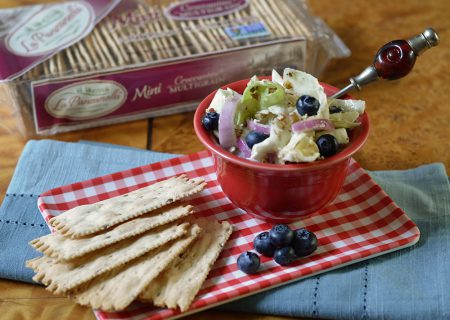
<point>252,30</point>
<point>29,35</point>
<point>118,96</point>
<point>86,100</point>
<point>201,9</point>
<point>51,28</point>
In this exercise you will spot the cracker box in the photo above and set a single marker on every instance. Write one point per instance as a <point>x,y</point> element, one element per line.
<point>80,64</point>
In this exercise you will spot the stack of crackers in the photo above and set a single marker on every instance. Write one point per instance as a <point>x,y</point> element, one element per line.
<point>142,245</point>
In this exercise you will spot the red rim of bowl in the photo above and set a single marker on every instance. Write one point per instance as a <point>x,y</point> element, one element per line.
<point>356,142</point>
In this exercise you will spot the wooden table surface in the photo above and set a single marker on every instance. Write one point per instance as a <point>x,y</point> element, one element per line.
<point>410,120</point>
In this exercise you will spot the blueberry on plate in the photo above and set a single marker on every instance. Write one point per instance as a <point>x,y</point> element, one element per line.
<point>281,235</point>
<point>328,145</point>
<point>263,245</point>
<point>304,243</point>
<point>284,256</point>
<point>254,137</point>
<point>248,262</point>
<point>307,105</point>
<point>210,121</point>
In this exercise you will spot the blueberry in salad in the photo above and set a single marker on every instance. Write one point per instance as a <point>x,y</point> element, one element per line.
<point>254,137</point>
<point>281,235</point>
<point>263,245</point>
<point>210,121</point>
<point>304,242</point>
<point>335,109</point>
<point>307,105</point>
<point>328,145</point>
<point>248,262</point>
<point>291,113</point>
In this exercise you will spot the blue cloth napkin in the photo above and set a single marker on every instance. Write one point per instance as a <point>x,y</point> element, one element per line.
<point>413,283</point>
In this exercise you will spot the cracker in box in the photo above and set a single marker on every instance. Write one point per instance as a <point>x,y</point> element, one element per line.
<point>81,64</point>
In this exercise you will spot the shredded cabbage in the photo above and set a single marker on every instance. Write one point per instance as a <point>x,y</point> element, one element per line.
<point>345,119</point>
<point>257,96</point>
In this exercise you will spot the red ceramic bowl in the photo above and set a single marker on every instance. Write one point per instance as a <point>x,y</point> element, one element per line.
<point>277,192</point>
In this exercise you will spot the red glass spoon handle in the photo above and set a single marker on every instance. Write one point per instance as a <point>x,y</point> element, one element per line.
<point>394,60</point>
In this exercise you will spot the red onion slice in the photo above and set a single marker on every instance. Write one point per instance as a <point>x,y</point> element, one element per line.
<point>243,147</point>
<point>227,134</point>
<point>258,127</point>
<point>312,124</point>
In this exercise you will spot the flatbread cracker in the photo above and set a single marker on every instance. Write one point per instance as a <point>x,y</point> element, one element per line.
<point>117,289</point>
<point>87,219</point>
<point>62,248</point>
<point>61,277</point>
<point>180,283</point>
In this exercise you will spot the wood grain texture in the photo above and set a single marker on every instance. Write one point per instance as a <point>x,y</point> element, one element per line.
<point>410,117</point>
<point>410,120</point>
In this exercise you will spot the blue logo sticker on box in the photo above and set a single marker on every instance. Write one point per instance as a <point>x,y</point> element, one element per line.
<point>256,29</point>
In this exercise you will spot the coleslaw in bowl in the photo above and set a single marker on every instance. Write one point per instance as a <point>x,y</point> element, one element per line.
<point>287,119</point>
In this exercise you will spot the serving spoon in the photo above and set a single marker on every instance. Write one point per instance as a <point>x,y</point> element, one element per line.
<point>393,61</point>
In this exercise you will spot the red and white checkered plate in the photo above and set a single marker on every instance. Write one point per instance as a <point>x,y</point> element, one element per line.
<point>363,222</point>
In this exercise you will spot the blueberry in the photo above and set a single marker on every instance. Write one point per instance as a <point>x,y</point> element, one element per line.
<point>335,109</point>
<point>254,137</point>
<point>263,245</point>
<point>281,235</point>
<point>210,121</point>
<point>328,145</point>
<point>284,256</point>
<point>304,243</point>
<point>307,105</point>
<point>248,262</point>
